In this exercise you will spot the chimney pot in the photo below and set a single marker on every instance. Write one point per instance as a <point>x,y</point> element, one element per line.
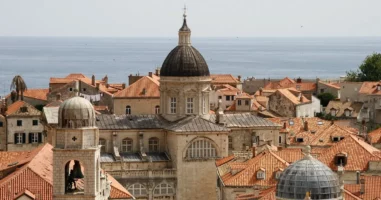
<point>150,74</point>
<point>93,80</point>
<point>306,126</point>
<point>97,85</point>
<point>239,77</point>
<point>157,72</point>
<point>123,86</point>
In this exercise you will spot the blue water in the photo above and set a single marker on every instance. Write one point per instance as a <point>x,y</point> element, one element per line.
<point>38,58</point>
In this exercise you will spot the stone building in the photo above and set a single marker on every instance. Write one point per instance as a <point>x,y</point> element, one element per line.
<point>24,128</point>
<point>141,97</point>
<point>328,87</point>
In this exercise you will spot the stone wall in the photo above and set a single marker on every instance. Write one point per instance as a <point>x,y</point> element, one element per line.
<point>27,127</point>
<point>3,133</point>
<point>349,90</point>
<point>141,106</point>
<point>281,105</point>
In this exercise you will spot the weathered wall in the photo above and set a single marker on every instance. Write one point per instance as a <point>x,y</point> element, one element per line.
<point>281,105</point>
<point>138,106</point>
<point>3,133</point>
<point>349,90</point>
<point>27,127</point>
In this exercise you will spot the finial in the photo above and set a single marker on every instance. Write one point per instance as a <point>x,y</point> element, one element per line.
<point>185,11</point>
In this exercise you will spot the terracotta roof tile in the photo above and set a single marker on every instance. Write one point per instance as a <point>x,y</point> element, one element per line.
<point>14,109</point>
<point>145,87</point>
<point>288,83</point>
<point>117,190</point>
<point>294,99</point>
<point>222,161</point>
<point>223,79</point>
<point>40,94</point>
<point>266,194</point>
<point>334,86</point>
<point>370,88</point>
<point>375,136</point>
<point>340,108</point>
<point>359,154</point>
<point>290,155</point>
<point>372,188</point>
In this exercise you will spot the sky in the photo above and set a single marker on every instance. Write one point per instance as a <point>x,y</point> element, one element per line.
<point>206,18</point>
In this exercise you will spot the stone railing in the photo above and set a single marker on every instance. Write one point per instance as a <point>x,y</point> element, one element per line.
<point>243,154</point>
<point>167,173</point>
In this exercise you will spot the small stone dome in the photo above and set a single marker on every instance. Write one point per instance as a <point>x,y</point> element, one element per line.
<point>308,175</point>
<point>184,61</point>
<point>76,112</point>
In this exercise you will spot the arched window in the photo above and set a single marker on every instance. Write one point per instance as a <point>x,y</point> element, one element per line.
<point>137,190</point>
<point>128,110</point>
<point>153,144</point>
<point>103,143</point>
<point>157,109</point>
<point>201,149</point>
<point>163,189</point>
<point>127,145</point>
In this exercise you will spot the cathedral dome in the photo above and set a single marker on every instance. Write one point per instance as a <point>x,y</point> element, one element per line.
<point>308,176</point>
<point>76,112</point>
<point>184,60</point>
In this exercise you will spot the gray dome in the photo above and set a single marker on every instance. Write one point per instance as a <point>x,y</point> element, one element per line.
<point>308,175</point>
<point>184,61</point>
<point>76,112</point>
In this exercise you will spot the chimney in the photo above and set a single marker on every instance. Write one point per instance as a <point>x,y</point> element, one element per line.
<point>284,125</point>
<point>58,96</point>
<point>157,71</point>
<point>362,186</point>
<point>97,85</point>
<point>357,177</point>
<point>4,107</point>
<point>301,98</point>
<point>299,80</point>
<point>105,79</point>
<point>253,150</point>
<point>332,122</point>
<point>123,86</point>
<point>306,126</point>
<point>260,91</point>
<point>93,80</point>
<point>150,74</point>
<point>239,78</point>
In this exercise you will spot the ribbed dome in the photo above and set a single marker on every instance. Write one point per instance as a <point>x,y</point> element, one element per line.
<point>76,112</point>
<point>184,61</point>
<point>308,175</point>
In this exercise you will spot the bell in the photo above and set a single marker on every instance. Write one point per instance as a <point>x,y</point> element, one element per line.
<point>77,173</point>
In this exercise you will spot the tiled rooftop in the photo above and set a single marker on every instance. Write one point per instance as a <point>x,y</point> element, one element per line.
<point>372,188</point>
<point>223,79</point>
<point>15,109</point>
<point>370,88</point>
<point>340,108</point>
<point>145,87</point>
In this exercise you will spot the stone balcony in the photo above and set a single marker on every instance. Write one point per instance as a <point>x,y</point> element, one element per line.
<point>143,174</point>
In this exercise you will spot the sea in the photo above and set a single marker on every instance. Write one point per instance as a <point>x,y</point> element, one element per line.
<point>37,59</point>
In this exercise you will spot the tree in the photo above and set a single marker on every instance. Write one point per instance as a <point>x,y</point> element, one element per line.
<point>325,98</point>
<point>369,70</point>
<point>19,85</point>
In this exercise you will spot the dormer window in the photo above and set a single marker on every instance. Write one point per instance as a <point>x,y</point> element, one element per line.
<point>24,109</point>
<point>299,139</point>
<point>378,87</point>
<point>333,112</point>
<point>291,122</point>
<point>319,123</point>
<point>341,159</point>
<point>261,174</point>
<point>278,174</point>
<point>347,113</point>
<point>337,138</point>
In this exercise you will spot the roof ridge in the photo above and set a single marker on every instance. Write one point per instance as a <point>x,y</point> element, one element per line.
<point>357,140</point>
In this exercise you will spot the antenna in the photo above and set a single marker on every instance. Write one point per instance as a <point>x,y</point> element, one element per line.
<point>185,10</point>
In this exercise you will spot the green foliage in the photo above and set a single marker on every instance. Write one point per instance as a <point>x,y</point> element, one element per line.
<point>325,98</point>
<point>326,116</point>
<point>369,70</point>
<point>39,107</point>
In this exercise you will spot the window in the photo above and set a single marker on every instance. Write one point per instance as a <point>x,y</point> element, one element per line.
<point>128,110</point>
<point>322,90</point>
<point>201,149</point>
<point>137,190</point>
<point>163,189</point>
<point>102,142</point>
<point>19,122</point>
<point>277,174</point>
<point>239,102</point>
<point>280,139</point>
<point>232,98</point>
<point>1,124</point>
<point>227,98</point>
<point>261,174</point>
<point>153,144</point>
<point>84,89</point>
<point>189,105</point>
<point>347,113</point>
<point>157,109</point>
<point>299,139</point>
<point>219,97</point>
<point>19,138</point>
<point>246,102</point>
<point>33,137</point>
<point>173,105</point>
<point>70,89</point>
<point>230,142</point>
<point>333,112</point>
<point>127,145</point>
<point>341,159</point>
<point>35,122</point>
<point>203,105</point>
<point>227,106</point>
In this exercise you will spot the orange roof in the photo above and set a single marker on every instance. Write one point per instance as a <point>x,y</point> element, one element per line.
<point>371,188</point>
<point>290,155</point>
<point>117,190</point>
<point>14,109</point>
<point>294,99</point>
<point>375,136</point>
<point>341,107</point>
<point>267,160</point>
<point>359,154</point>
<point>222,161</point>
<point>227,89</point>
<point>287,83</point>
<point>267,194</point>
<point>370,88</point>
<point>40,94</point>
<point>332,85</point>
<point>223,79</point>
<point>145,87</point>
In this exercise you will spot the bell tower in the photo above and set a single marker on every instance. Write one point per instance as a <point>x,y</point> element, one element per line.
<point>76,154</point>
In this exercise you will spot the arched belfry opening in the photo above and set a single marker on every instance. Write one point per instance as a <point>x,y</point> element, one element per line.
<point>74,178</point>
